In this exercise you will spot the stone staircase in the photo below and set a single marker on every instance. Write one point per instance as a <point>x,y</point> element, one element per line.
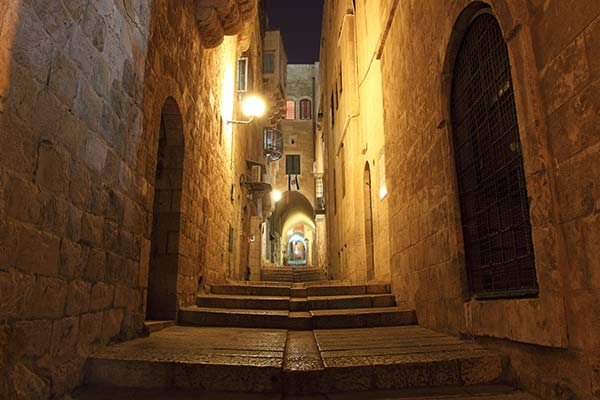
<point>292,274</point>
<point>298,307</point>
<point>278,340</point>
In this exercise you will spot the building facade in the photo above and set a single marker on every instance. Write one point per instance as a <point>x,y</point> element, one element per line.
<point>478,119</point>
<point>122,181</point>
<point>351,123</point>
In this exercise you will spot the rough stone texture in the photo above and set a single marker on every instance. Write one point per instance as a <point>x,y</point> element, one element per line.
<point>553,48</point>
<point>352,125</point>
<point>267,361</point>
<point>82,86</point>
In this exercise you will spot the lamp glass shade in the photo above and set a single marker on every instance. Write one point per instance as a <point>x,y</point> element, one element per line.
<point>253,107</point>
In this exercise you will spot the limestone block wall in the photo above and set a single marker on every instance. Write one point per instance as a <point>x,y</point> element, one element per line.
<point>298,139</point>
<point>82,88</point>
<point>351,85</point>
<point>72,221</point>
<point>553,48</point>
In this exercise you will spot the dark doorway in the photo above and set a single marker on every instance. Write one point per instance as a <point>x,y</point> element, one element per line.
<point>164,260</point>
<point>368,200</point>
<point>489,165</point>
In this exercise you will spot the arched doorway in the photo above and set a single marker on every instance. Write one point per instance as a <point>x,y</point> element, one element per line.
<point>164,258</point>
<point>368,206</point>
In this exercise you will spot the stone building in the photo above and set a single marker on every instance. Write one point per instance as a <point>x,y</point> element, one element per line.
<point>296,213</point>
<point>479,121</point>
<point>449,166</point>
<point>120,189</point>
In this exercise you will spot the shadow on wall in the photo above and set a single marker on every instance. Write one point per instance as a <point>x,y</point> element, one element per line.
<point>164,261</point>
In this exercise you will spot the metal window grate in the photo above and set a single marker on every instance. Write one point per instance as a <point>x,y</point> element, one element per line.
<point>489,164</point>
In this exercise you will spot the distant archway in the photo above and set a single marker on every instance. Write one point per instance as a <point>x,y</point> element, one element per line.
<point>368,206</point>
<point>297,249</point>
<point>293,215</point>
<point>164,258</point>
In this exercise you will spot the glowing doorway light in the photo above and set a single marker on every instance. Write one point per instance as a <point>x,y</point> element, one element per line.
<point>276,195</point>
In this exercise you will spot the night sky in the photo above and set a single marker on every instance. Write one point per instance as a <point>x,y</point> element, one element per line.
<point>300,24</point>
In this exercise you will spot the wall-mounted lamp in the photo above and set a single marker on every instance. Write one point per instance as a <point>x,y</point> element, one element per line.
<point>276,195</point>
<point>252,107</point>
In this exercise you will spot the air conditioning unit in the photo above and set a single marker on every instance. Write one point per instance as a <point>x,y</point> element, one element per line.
<point>256,173</point>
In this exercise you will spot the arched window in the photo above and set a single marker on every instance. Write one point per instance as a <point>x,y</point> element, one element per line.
<point>305,109</point>
<point>291,110</point>
<point>489,165</point>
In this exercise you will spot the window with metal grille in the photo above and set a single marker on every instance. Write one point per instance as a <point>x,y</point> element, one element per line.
<point>269,62</point>
<point>292,164</point>
<point>291,110</point>
<point>305,109</point>
<point>493,195</point>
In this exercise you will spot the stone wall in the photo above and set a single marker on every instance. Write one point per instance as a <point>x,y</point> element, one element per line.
<point>553,49</point>
<point>71,212</point>
<point>354,135</point>
<point>404,52</point>
<point>82,89</point>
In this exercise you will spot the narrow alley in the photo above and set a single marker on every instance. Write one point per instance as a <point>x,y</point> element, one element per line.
<point>299,200</point>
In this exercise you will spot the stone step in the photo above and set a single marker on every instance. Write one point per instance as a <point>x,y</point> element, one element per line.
<point>278,361</point>
<point>292,274</point>
<point>283,319</point>
<point>487,392</point>
<point>306,290</point>
<point>295,304</point>
<point>156,326</point>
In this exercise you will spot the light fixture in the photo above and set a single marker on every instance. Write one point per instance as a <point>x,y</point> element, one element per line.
<point>252,107</point>
<point>276,195</point>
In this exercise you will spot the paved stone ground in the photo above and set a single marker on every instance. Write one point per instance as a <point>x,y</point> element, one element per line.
<point>299,362</point>
<point>473,393</point>
<point>219,346</point>
<point>296,350</point>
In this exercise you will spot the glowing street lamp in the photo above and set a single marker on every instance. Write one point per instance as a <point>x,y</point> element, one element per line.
<point>276,195</point>
<point>252,107</point>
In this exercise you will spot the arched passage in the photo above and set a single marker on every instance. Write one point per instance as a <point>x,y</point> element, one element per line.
<point>294,217</point>
<point>368,207</point>
<point>164,259</point>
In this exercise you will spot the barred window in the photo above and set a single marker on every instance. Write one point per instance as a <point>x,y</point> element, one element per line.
<point>491,177</point>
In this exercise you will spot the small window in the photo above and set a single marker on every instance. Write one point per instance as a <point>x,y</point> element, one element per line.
<point>343,172</point>
<point>331,111</point>
<point>334,192</point>
<point>305,109</point>
<point>292,164</point>
<point>269,62</point>
<point>242,75</point>
<point>383,190</point>
<point>291,110</point>
<point>337,99</point>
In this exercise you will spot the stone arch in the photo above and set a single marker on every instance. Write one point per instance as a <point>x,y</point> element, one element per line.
<point>488,200</point>
<point>166,221</point>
